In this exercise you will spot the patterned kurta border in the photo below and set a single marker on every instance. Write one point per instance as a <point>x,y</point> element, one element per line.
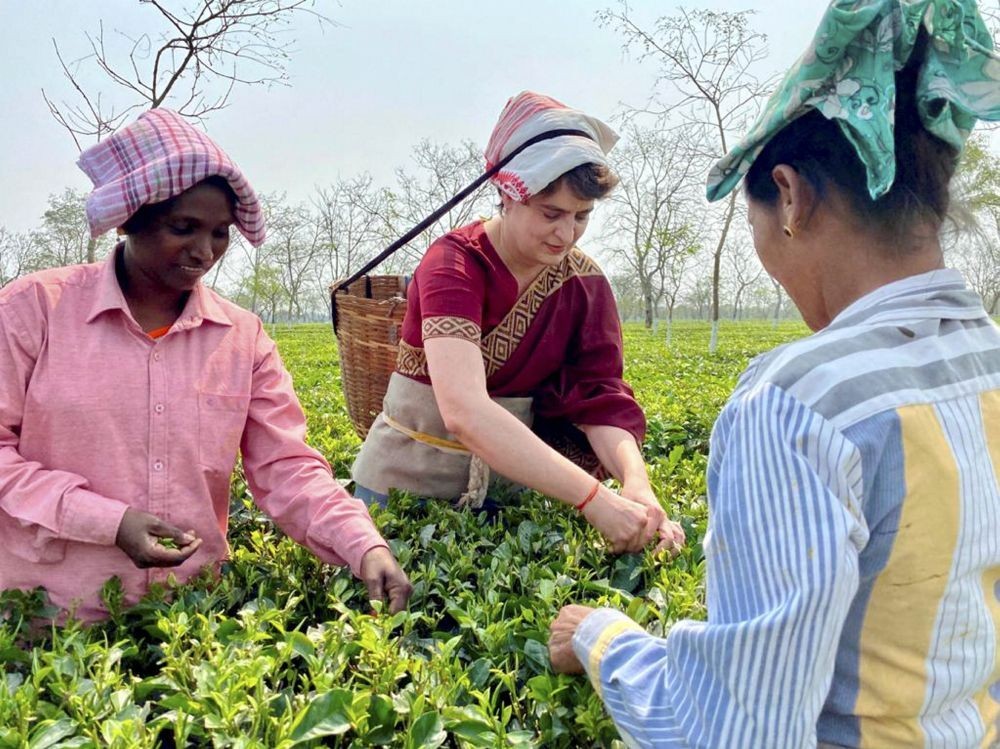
<point>500,343</point>
<point>450,327</point>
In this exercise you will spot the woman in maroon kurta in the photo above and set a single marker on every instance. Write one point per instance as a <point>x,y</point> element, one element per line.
<point>511,351</point>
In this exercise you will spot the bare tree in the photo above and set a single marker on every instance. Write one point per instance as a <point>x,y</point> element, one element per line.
<point>699,297</point>
<point>706,75</point>
<point>743,272</point>
<point>442,170</point>
<point>355,220</point>
<point>294,244</point>
<point>978,257</point>
<point>778,298</point>
<point>623,286</point>
<point>648,224</point>
<point>257,264</point>
<point>671,281</point>
<point>200,53</point>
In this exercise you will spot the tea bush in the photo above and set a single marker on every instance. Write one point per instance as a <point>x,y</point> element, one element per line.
<point>282,651</point>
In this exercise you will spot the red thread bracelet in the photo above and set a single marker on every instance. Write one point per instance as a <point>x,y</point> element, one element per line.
<point>593,493</point>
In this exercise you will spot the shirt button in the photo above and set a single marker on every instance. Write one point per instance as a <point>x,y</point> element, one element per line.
<point>158,408</point>
<point>158,465</point>
<point>156,356</point>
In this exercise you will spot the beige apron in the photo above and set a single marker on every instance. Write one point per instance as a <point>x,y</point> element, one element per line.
<point>408,448</point>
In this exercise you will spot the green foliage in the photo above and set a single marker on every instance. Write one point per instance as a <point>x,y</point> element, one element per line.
<point>281,651</point>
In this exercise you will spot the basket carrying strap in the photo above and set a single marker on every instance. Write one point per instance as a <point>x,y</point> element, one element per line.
<point>451,203</point>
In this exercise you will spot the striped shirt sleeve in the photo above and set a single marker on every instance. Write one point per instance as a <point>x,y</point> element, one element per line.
<point>782,551</point>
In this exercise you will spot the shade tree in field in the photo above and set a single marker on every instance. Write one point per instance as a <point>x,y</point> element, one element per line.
<point>354,220</point>
<point>742,272</point>
<point>698,296</point>
<point>15,254</point>
<point>188,56</point>
<point>250,272</point>
<point>778,295</point>
<point>442,170</point>
<point>707,64</point>
<point>976,190</point>
<point>648,220</point>
<point>673,276</point>
<point>627,297</point>
<point>294,246</point>
<point>63,238</point>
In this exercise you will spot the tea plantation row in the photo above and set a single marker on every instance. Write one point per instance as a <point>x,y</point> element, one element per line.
<point>283,651</point>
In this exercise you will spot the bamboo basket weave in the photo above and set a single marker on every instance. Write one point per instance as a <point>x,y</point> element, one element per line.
<point>367,318</point>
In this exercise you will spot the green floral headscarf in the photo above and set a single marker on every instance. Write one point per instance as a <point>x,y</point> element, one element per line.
<point>848,75</point>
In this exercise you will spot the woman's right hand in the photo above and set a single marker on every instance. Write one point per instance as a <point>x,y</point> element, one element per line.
<point>628,526</point>
<point>139,536</point>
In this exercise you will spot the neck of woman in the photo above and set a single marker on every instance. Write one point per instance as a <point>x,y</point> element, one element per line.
<point>855,264</point>
<point>523,272</point>
<point>151,307</point>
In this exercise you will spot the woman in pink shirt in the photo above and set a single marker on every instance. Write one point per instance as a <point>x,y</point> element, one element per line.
<point>127,389</point>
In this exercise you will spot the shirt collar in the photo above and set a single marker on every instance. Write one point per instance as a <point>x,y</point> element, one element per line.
<point>938,293</point>
<point>109,293</point>
<point>201,304</point>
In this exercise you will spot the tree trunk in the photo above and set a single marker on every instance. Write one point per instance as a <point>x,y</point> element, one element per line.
<point>716,268</point>
<point>647,298</point>
<point>91,250</point>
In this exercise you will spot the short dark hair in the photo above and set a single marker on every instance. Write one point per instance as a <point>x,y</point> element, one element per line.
<point>818,150</point>
<point>150,213</point>
<point>587,181</point>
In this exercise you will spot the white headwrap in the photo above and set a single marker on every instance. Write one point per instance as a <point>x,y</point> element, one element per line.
<point>529,114</point>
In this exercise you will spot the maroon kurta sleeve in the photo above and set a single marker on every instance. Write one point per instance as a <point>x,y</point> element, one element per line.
<point>446,294</point>
<point>588,388</point>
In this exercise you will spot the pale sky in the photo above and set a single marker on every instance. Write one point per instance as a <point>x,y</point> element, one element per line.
<point>362,93</point>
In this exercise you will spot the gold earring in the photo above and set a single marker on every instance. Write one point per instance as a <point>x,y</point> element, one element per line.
<point>788,232</point>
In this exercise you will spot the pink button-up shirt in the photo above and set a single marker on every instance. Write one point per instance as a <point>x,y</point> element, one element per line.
<point>96,417</point>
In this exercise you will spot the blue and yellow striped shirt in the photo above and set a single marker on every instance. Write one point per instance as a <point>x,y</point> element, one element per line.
<point>853,550</point>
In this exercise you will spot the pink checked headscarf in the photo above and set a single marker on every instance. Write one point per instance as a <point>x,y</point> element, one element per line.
<point>529,114</point>
<point>155,158</point>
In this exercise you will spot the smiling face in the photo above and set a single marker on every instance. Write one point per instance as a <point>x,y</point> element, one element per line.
<point>169,253</point>
<point>542,230</point>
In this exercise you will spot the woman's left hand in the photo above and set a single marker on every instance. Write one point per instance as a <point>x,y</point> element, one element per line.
<point>670,532</point>
<point>561,631</point>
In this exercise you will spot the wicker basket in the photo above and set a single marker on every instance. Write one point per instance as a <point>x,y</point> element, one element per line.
<point>367,318</point>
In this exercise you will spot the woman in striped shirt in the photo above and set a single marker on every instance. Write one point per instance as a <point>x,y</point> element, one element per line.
<point>853,550</point>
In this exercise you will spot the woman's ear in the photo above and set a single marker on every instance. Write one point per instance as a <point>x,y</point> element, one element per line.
<point>796,197</point>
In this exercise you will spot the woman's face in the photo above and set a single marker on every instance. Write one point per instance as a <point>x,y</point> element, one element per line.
<point>180,246</point>
<point>543,229</point>
<point>792,263</point>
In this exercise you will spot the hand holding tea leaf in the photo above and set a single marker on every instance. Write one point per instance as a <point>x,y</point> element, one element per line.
<point>141,536</point>
<point>626,524</point>
<point>385,579</point>
<point>561,631</point>
<point>670,532</point>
